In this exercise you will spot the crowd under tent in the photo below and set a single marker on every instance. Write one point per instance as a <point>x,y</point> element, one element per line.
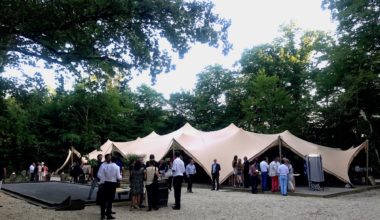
<point>203,147</point>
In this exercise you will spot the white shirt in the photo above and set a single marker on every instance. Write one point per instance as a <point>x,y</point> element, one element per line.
<point>31,169</point>
<point>273,166</point>
<point>109,172</point>
<point>264,166</point>
<point>178,167</point>
<point>283,170</point>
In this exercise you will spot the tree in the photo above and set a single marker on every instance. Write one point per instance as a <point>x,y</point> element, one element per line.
<point>268,109</point>
<point>149,108</point>
<point>183,105</point>
<point>105,36</point>
<point>352,85</point>
<point>290,58</point>
<point>210,92</point>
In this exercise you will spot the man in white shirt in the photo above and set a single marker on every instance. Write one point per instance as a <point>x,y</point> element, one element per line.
<point>273,166</point>
<point>31,171</point>
<point>178,170</point>
<point>264,173</point>
<point>109,176</point>
<point>283,172</point>
<point>190,172</point>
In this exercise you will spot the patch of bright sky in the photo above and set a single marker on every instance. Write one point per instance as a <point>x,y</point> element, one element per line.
<point>254,22</point>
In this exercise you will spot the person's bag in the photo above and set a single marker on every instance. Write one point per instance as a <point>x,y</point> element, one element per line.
<point>168,173</point>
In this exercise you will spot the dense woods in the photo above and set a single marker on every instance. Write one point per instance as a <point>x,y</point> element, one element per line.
<point>325,89</point>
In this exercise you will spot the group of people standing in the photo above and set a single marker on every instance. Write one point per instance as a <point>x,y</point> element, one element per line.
<point>107,176</point>
<point>247,174</point>
<point>281,174</point>
<point>240,176</point>
<point>38,172</point>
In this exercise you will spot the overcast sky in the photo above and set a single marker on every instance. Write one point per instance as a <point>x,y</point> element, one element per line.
<point>253,22</point>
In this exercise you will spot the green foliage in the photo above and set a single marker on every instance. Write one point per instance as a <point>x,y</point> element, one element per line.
<point>130,159</point>
<point>106,37</point>
<point>351,83</point>
<point>211,91</point>
<point>268,108</point>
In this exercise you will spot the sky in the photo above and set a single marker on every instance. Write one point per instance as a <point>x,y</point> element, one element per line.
<point>254,22</point>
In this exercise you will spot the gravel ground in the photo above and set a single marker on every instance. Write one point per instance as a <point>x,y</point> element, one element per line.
<point>206,204</point>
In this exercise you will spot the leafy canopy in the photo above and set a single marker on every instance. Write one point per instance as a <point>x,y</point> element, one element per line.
<point>106,36</point>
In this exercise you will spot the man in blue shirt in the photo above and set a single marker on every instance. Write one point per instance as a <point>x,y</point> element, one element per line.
<point>215,168</point>
<point>190,172</point>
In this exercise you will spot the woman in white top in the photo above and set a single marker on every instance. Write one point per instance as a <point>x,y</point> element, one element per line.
<point>291,182</point>
<point>152,186</point>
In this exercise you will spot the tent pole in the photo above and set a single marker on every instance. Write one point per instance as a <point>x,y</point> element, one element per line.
<point>173,151</point>
<point>72,155</point>
<point>367,162</point>
<point>280,148</point>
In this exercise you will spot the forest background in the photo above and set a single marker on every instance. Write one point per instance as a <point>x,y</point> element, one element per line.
<point>322,88</point>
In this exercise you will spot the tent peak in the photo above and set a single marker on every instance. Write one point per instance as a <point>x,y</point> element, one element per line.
<point>232,125</point>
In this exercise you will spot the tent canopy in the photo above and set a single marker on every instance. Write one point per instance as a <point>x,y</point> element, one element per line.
<point>223,144</point>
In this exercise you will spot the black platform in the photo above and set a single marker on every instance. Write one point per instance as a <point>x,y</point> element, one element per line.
<point>51,193</point>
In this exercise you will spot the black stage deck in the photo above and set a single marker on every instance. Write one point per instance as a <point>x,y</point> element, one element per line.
<point>51,193</point>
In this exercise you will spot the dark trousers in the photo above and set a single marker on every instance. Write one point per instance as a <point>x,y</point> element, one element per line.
<point>190,183</point>
<point>215,181</point>
<point>152,191</point>
<point>177,184</point>
<point>32,177</point>
<point>109,190</point>
<point>247,180</point>
<point>254,180</point>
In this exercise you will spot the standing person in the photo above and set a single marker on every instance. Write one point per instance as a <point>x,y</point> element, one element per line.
<point>94,175</point>
<point>39,172</point>
<point>283,172</point>
<point>215,169</point>
<point>291,181</point>
<point>74,172</point>
<point>36,177</point>
<point>190,172</point>
<point>152,186</point>
<point>31,171</point>
<point>109,175</point>
<point>162,168</point>
<point>137,184</point>
<point>151,158</point>
<point>239,175</point>
<point>246,172</point>
<point>170,178</point>
<point>3,174</point>
<point>45,172</point>
<point>119,163</point>
<point>178,170</point>
<point>234,170</point>
<point>264,173</point>
<point>254,176</point>
<point>273,166</point>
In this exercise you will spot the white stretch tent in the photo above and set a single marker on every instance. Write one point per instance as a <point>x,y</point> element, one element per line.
<point>223,144</point>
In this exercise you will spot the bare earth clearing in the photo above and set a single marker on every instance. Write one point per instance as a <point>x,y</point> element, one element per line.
<point>206,204</point>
